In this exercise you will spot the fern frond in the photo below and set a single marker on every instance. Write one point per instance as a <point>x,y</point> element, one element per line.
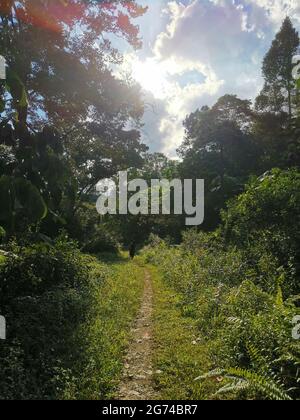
<point>261,363</point>
<point>267,386</point>
<point>237,386</point>
<point>242,379</point>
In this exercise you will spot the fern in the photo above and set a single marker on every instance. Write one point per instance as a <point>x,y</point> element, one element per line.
<point>262,380</point>
<point>242,379</point>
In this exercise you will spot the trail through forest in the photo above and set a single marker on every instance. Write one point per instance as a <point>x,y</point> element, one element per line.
<point>137,381</point>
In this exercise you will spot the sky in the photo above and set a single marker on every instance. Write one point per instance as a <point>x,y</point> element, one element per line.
<point>195,51</point>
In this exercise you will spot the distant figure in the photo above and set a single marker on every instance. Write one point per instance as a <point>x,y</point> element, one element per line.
<point>132,250</point>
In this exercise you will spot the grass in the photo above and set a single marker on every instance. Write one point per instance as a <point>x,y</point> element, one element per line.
<point>179,357</point>
<point>108,333</point>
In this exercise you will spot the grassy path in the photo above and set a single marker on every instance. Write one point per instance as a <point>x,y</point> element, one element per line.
<point>179,355</point>
<point>137,382</point>
<point>107,334</point>
<point>165,354</point>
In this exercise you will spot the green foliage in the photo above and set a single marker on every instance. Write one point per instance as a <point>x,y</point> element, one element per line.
<point>277,71</point>
<point>64,126</point>
<point>2,234</point>
<point>264,381</point>
<point>68,317</point>
<point>53,85</point>
<point>90,230</point>
<point>219,147</point>
<point>179,350</point>
<point>270,201</point>
<point>242,379</point>
<point>102,241</point>
<point>218,291</point>
<point>17,89</point>
<point>45,297</point>
<point>265,221</point>
<point>36,269</point>
<point>20,202</point>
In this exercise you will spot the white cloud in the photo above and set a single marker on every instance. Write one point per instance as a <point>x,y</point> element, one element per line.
<point>277,10</point>
<point>220,40</point>
<point>159,78</point>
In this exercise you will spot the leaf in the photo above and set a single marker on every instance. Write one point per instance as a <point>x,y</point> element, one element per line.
<point>18,195</point>
<point>30,199</point>
<point>17,88</point>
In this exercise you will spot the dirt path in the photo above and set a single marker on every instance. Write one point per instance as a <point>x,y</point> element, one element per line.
<point>137,381</point>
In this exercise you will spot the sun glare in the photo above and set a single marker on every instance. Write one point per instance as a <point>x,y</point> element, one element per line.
<point>152,77</point>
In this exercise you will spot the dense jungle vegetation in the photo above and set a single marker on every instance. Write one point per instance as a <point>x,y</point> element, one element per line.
<point>225,294</point>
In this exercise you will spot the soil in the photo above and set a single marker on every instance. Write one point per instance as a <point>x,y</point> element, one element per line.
<point>137,381</point>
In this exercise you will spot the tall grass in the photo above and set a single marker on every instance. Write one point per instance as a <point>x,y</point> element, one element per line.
<point>218,291</point>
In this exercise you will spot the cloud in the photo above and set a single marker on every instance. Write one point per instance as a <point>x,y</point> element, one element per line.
<point>277,10</point>
<point>217,34</point>
<point>172,88</point>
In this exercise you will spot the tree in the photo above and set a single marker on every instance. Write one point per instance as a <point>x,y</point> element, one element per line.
<point>219,148</point>
<point>64,114</point>
<point>276,95</point>
<point>55,49</point>
<point>137,228</point>
<point>276,106</point>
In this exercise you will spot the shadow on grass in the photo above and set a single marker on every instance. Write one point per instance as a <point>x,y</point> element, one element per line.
<point>111,258</point>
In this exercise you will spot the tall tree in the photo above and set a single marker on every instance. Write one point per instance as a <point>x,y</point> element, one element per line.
<point>64,116</point>
<point>219,148</point>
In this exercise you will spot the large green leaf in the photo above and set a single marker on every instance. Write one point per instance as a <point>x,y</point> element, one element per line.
<point>30,200</point>
<point>20,198</point>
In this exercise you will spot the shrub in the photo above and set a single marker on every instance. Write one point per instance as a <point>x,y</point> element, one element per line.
<point>265,220</point>
<point>233,307</point>
<point>92,234</point>
<point>46,294</point>
<point>102,241</point>
<point>35,269</point>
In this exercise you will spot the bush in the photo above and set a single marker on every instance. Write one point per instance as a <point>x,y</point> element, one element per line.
<point>68,321</point>
<point>250,318</point>
<point>233,306</point>
<point>35,269</point>
<point>46,294</point>
<point>102,241</point>
<point>92,234</point>
<point>265,220</point>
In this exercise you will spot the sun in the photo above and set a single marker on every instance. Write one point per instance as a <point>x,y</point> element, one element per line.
<point>152,76</point>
